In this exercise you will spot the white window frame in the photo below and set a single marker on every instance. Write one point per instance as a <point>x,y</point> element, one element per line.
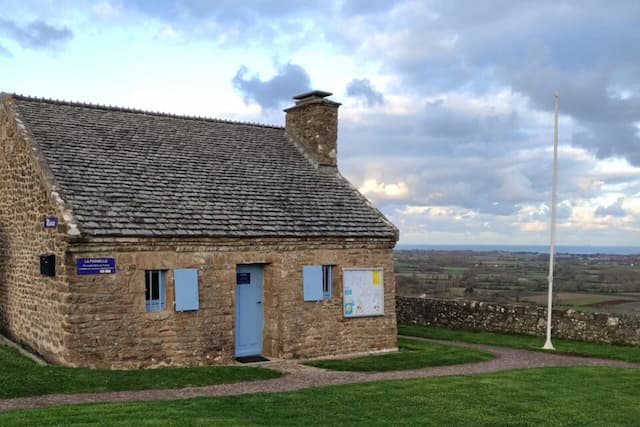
<point>157,303</point>
<point>317,282</point>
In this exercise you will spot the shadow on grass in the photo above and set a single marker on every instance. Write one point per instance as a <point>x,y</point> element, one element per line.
<point>627,353</point>
<point>20,377</point>
<point>412,354</point>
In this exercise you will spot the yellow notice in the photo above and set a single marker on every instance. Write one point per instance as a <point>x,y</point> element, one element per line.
<point>375,277</point>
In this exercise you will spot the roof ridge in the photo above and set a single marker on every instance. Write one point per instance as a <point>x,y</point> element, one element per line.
<point>138,111</point>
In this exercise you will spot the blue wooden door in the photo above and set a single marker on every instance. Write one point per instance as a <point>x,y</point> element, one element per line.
<point>248,330</point>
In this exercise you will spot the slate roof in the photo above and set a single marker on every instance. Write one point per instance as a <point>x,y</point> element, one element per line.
<point>135,173</point>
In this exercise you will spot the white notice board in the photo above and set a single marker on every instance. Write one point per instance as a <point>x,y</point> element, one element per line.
<point>362,292</point>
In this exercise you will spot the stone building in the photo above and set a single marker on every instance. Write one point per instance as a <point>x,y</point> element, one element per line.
<point>130,238</point>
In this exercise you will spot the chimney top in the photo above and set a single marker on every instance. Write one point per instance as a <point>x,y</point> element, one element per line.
<point>312,94</point>
<point>315,96</point>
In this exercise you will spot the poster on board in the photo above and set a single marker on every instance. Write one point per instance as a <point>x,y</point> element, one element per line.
<point>362,292</point>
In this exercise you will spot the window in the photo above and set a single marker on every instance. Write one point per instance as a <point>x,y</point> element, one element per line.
<point>154,289</point>
<point>317,282</point>
<point>327,281</point>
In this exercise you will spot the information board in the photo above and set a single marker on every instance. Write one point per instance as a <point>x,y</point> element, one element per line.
<point>96,266</point>
<point>362,292</point>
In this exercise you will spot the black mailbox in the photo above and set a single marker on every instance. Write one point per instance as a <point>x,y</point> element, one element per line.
<point>48,265</point>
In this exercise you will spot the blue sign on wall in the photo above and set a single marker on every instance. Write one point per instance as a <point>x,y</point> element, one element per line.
<point>51,222</point>
<point>96,265</point>
<point>243,278</point>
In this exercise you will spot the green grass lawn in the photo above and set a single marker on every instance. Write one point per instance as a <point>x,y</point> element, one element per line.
<point>20,376</point>
<point>412,354</point>
<point>577,396</point>
<point>610,351</point>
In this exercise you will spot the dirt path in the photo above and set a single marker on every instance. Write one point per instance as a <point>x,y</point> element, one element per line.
<point>299,376</point>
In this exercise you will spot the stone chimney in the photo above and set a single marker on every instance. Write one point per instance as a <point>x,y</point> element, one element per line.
<point>312,125</point>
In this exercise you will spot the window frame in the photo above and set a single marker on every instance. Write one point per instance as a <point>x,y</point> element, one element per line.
<point>317,282</point>
<point>159,303</point>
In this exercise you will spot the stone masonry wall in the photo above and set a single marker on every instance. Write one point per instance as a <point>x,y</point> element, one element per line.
<point>461,314</point>
<point>314,127</point>
<point>30,304</point>
<point>107,324</point>
<point>316,328</point>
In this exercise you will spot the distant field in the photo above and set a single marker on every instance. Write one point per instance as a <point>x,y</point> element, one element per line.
<point>574,298</point>
<point>603,283</point>
<point>454,270</point>
<point>611,303</point>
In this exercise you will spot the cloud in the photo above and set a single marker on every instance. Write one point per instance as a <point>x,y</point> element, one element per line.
<point>379,190</point>
<point>290,80</point>
<point>366,7</point>
<point>233,22</point>
<point>459,125</point>
<point>167,32</point>
<point>231,11</point>
<point>362,88</point>
<point>36,34</point>
<point>106,9</point>
<point>586,51</point>
<point>461,152</point>
<point>4,51</point>
<point>608,121</point>
<point>614,209</point>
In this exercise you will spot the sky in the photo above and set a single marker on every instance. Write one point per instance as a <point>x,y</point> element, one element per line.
<point>447,113</point>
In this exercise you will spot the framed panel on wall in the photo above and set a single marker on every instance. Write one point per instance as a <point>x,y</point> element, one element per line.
<point>362,292</point>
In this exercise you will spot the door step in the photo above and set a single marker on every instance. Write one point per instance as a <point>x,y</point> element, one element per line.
<point>251,359</point>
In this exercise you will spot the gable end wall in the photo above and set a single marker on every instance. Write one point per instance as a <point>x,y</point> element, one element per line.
<point>31,305</point>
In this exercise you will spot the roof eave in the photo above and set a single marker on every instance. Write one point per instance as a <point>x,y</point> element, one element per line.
<point>248,235</point>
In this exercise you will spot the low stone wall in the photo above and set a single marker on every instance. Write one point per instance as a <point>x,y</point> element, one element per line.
<point>461,314</point>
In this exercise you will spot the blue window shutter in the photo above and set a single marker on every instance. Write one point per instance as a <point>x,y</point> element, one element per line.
<point>312,282</point>
<point>186,289</point>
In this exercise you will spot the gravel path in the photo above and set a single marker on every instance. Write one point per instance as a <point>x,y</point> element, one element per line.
<point>299,376</point>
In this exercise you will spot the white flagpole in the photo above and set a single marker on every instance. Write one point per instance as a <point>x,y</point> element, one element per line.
<point>548,345</point>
